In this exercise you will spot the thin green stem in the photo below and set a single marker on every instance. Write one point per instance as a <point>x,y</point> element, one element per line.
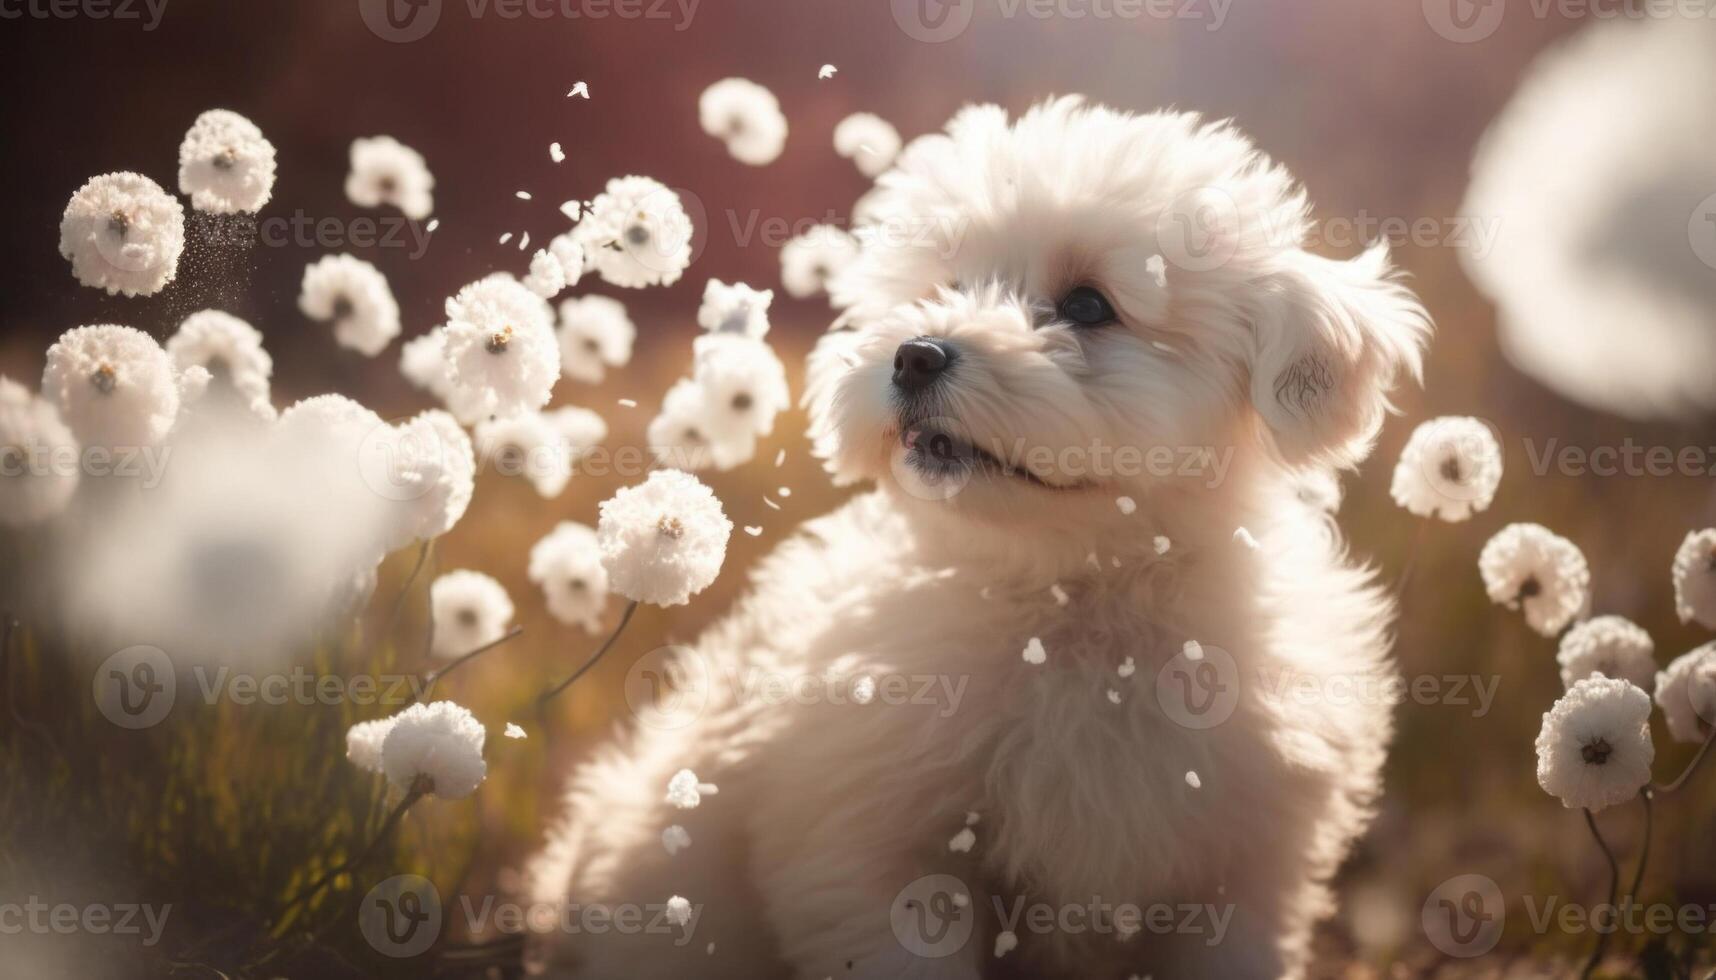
<point>1644,850</point>
<point>433,676</point>
<point>1614,885</point>
<point>405,591</point>
<point>554,691</point>
<point>1691,767</point>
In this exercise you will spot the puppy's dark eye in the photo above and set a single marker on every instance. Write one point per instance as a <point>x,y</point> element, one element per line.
<point>1086,307</point>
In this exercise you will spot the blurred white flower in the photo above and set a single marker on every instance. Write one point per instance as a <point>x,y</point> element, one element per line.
<point>470,609</point>
<point>113,385</point>
<point>547,276</point>
<point>231,351</point>
<point>570,255</point>
<point>39,457</point>
<point>664,540</point>
<point>1608,645</point>
<point>745,116</point>
<point>1594,749</point>
<point>810,260</point>
<point>428,467</point>
<point>636,233</point>
<point>364,741</point>
<point>567,565</point>
<point>867,140</point>
<point>500,341</point>
<point>736,309</point>
<point>226,165</point>
<point>678,910</point>
<point>386,171</point>
<point>679,436</point>
<point>529,445</point>
<point>435,748</point>
<point>123,233</point>
<point>744,385</point>
<point>1450,469</point>
<point>1595,239</point>
<point>354,295</point>
<point>1695,578</point>
<point>685,792</point>
<point>423,362</point>
<point>580,428</point>
<point>1687,693</point>
<point>594,334</point>
<point>1529,566</point>
<point>675,839</point>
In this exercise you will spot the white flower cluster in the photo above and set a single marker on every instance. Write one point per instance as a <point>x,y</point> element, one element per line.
<point>387,172</point>
<point>746,117</point>
<point>115,386</point>
<point>499,344</point>
<point>1611,646</point>
<point>594,334</point>
<point>1695,578</point>
<point>567,565</point>
<point>226,165</point>
<point>1450,469</point>
<point>1594,749</point>
<point>231,351</point>
<point>542,447</point>
<point>354,296</point>
<point>810,261</point>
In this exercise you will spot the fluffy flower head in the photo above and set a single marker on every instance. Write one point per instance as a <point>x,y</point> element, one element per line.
<point>1529,567</point>
<point>436,748</point>
<point>1450,468</point>
<point>1687,693</point>
<point>735,309</point>
<point>226,165</point>
<point>664,540</point>
<point>386,171</point>
<point>354,295</point>
<point>810,260</point>
<point>745,116</point>
<point>1594,750</point>
<point>1611,646</point>
<point>39,461</point>
<point>113,385</point>
<point>636,234</point>
<point>1695,578</point>
<point>123,233</point>
<point>567,565</point>
<point>867,140</point>
<point>595,334</point>
<point>500,341</point>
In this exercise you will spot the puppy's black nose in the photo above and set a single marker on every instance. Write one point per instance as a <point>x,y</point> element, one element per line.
<point>920,361</point>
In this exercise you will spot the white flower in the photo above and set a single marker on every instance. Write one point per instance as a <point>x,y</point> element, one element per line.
<point>1005,942</point>
<point>364,741</point>
<point>431,472</point>
<point>1687,693</point>
<point>595,334</point>
<point>570,255</point>
<point>527,445</point>
<point>226,165</point>
<point>1529,566</point>
<point>963,842</point>
<point>1450,469</point>
<point>547,276</point>
<point>680,436</point>
<point>744,385</point>
<point>1695,578</point>
<point>1586,253</point>
<point>1034,653</point>
<point>500,341</point>
<point>678,911</point>
<point>437,748</point>
<point>745,116</point>
<point>867,140</point>
<point>39,458</point>
<point>685,792</point>
<point>113,385</point>
<point>675,839</point>
<point>354,295</point>
<point>231,351</point>
<point>386,171</point>
<point>123,233</point>
<point>470,610</point>
<point>423,362</point>
<point>636,234</point>
<point>1611,646</point>
<point>567,565</point>
<point>1594,750</point>
<point>737,309</point>
<point>811,260</point>
<point>663,541</point>
<point>580,428</point>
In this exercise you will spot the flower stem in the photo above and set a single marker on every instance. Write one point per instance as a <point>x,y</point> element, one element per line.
<point>1614,885</point>
<point>1644,850</point>
<point>352,864</point>
<point>433,676</point>
<point>1691,767</point>
<point>405,589</point>
<point>1412,557</point>
<point>550,694</point>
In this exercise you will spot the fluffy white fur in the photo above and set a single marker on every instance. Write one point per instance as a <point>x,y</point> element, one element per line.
<point>826,811</point>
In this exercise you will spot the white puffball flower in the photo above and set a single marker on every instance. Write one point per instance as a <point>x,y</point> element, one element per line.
<point>580,428</point>
<point>355,297</point>
<point>567,565</point>
<point>500,341</point>
<point>1450,469</point>
<point>226,165</point>
<point>527,445</point>
<point>123,233</point>
<point>736,309</point>
<point>1594,750</point>
<point>436,748</point>
<point>423,362</point>
<point>547,276</point>
<point>811,260</point>
<point>1695,578</point>
<point>746,117</point>
<point>663,541</point>
<point>1686,691</point>
<point>39,457</point>
<point>685,792</point>
<point>594,334</point>
<point>113,385</point>
<point>231,351</point>
<point>364,741</point>
<point>386,171</point>
<point>678,910</point>
<point>1531,567</point>
<point>1611,646</point>
<point>428,468</point>
<point>470,610</point>
<point>636,233</point>
<point>675,839</point>
<point>570,255</point>
<point>744,384</point>
<point>867,140</point>
<point>680,436</point>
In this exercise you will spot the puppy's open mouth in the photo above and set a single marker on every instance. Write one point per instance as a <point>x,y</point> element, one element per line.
<point>935,451</point>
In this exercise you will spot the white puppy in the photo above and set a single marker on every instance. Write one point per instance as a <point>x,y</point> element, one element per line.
<point>980,669</point>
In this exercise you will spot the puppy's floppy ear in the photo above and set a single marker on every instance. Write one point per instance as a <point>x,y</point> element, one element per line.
<point>1329,340</point>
